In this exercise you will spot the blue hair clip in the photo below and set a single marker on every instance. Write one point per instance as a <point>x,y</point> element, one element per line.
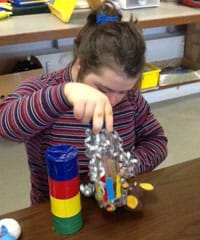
<point>103,18</point>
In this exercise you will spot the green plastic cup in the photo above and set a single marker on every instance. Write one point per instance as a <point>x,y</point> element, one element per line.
<point>68,226</point>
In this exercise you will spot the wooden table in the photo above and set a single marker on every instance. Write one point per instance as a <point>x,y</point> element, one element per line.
<point>171,212</point>
<point>40,27</point>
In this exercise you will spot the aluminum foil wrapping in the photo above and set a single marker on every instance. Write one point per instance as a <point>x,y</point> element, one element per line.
<point>103,148</point>
<point>110,168</point>
<point>108,146</point>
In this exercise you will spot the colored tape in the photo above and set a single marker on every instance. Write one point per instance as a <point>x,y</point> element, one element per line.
<point>118,187</point>
<point>64,189</point>
<point>62,162</point>
<point>110,189</point>
<point>68,225</point>
<point>62,172</point>
<point>65,208</point>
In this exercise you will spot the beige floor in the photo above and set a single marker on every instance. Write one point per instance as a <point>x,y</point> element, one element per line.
<point>179,117</point>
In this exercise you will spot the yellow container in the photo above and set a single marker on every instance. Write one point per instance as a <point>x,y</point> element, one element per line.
<point>150,77</point>
<point>62,9</point>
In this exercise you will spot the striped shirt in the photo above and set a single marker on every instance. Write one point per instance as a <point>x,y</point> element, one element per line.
<point>38,114</point>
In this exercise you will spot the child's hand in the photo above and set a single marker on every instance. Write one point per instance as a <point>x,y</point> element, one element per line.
<point>89,103</point>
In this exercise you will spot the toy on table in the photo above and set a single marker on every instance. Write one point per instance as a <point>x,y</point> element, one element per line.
<point>62,9</point>
<point>110,167</point>
<point>4,14</point>
<point>5,10</point>
<point>9,229</point>
<point>22,7</point>
<point>64,188</point>
<point>28,3</point>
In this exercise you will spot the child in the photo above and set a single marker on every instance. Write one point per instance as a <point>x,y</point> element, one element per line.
<point>99,85</point>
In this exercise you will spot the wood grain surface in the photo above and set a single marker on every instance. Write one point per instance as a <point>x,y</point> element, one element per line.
<point>171,212</point>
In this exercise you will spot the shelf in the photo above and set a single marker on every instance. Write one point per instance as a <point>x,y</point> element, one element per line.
<point>170,86</point>
<point>172,91</point>
<point>41,27</point>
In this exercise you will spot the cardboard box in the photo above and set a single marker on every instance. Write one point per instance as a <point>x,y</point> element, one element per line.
<point>192,47</point>
<point>93,4</point>
<point>9,81</point>
<point>170,1</point>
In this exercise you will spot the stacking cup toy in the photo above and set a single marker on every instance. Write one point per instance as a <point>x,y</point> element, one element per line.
<point>64,188</point>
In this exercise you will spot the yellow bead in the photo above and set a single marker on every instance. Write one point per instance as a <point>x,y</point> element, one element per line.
<point>132,201</point>
<point>147,186</point>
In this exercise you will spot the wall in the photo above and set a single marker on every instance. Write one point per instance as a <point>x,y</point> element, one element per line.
<point>161,45</point>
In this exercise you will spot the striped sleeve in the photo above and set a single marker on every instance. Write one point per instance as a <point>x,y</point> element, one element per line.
<point>151,142</point>
<point>31,108</point>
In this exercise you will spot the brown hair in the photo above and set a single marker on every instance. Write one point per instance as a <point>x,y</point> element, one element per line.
<point>118,46</point>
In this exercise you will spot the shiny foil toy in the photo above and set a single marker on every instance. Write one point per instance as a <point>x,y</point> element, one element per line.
<point>109,168</point>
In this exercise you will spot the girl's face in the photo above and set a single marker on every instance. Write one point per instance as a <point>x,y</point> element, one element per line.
<point>113,85</point>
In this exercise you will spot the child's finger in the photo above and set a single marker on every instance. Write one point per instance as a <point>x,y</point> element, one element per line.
<point>88,114</point>
<point>79,109</point>
<point>98,118</point>
<point>109,117</point>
